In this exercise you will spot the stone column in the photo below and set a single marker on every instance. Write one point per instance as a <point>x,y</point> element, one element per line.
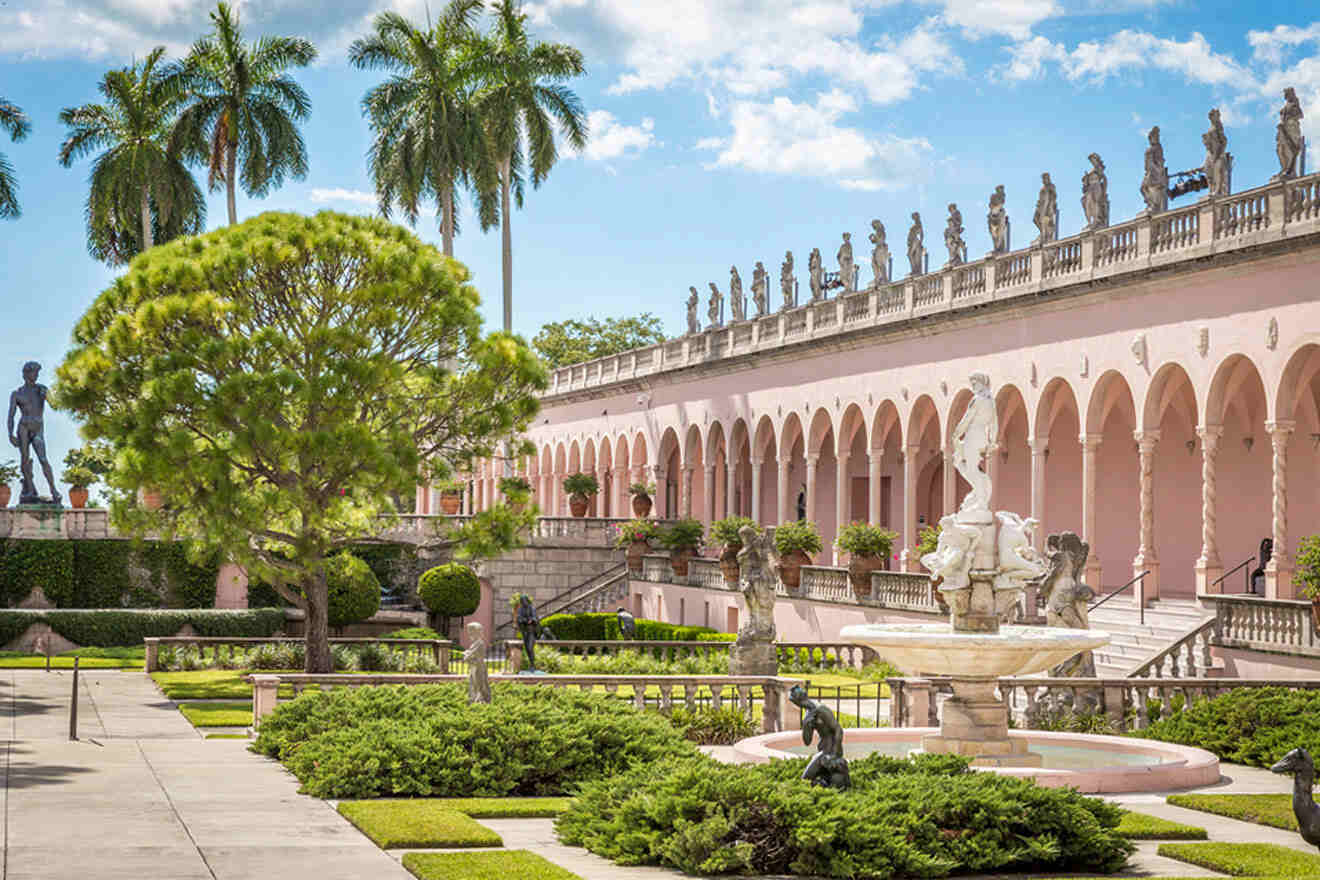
<point>708,487</point>
<point>1278,571</point>
<point>811,486</point>
<point>1038,447</point>
<point>1208,567</point>
<point>950,493</point>
<point>685,490</point>
<point>908,556</point>
<point>781,485</point>
<point>1146,559</point>
<point>730,487</point>
<point>661,494</point>
<point>1090,444</point>
<point>622,500</point>
<point>756,490</point>
<point>842,501</point>
<point>874,461</point>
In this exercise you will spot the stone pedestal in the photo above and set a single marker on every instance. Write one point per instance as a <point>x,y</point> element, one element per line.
<point>753,656</point>
<point>974,724</point>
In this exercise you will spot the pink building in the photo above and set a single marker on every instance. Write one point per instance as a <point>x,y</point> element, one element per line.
<point>1156,382</point>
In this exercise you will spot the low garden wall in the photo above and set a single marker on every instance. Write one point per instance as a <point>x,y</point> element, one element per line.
<point>843,654</point>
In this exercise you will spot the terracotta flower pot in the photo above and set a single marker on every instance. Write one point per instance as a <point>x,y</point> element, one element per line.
<point>859,573</point>
<point>78,496</point>
<point>636,550</point>
<point>729,564</point>
<point>450,502</point>
<point>641,505</point>
<point>577,505</point>
<point>678,559</point>
<point>790,569</point>
<point>152,499</point>
<point>5,493</point>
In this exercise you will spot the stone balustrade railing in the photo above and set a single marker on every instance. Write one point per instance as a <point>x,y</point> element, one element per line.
<point>1128,703</point>
<point>1275,211</point>
<point>903,591</point>
<point>661,691</point>
<point>657,569</point>
<point>438,649</point>
<point>706,573</point>
<point>1257,624</point>
<point>1187,657</point>
<point>824,655</point>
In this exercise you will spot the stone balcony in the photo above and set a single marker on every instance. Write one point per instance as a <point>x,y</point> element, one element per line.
<point>1275,212</point>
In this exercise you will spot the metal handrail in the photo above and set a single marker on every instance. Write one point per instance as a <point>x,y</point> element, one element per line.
<point>1250,559</point>
<point>1141,606</point>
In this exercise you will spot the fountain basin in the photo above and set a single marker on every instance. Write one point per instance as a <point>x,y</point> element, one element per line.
<point>935,649</point>
<point>1089,763</point>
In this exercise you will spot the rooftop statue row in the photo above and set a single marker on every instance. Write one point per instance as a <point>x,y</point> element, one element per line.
<point>1214,174</point>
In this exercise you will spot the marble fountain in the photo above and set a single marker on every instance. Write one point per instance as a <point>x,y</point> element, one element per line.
<point>981,567</point>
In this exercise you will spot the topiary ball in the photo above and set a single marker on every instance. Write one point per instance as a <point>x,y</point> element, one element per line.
<point>354,589</point>
<point>450,590</point>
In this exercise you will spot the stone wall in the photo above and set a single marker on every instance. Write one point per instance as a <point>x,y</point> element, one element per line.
<point>542,570</point>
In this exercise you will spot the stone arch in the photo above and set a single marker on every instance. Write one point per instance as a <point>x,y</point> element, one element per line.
<point>1057,426</point>
<point>740,459</point>
<point>822,508</point>
<point>670,465</point>
<point>1111,415</point>
<point>885,506</point>
<point>694,487</point>
<point>1010,469</point>
<point>1297,400</point>
<point>793,464</point>
<point>765,449</point>
<point>925,441</point>
<point>717,456</point>
<point>557,499</point>
<point>1237,408</point>
<point>1170,408</point>
<point>606,504</point>
<point>574,458</point>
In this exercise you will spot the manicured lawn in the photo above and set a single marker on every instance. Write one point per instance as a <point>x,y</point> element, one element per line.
<point>217,714</point>
<point>203,684</point>
<point>1245,859</point>
<point>1140,826</point>
<point>506,807</point>
<point>89,658</point>
<point>1263,809</point>
<point>509,864</point>
<point>394,824</point>
<point>227,736</point>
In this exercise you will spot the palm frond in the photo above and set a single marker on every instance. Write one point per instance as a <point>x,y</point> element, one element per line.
<point>14,121</point>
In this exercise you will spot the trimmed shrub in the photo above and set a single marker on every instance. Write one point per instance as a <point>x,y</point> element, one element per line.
<point>109,628</point>
<point>448,591</point>
<point>587,626</point>
<point>27,565</point>
<point>713,727</point>
<point>354,590</point>
<point>598,625</point>
<point>412,632</point>
<point>926,818</point>
<point>1253,726</point>
<point>427,741</point>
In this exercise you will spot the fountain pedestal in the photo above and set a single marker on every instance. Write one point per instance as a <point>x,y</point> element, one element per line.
<point>974,724</point>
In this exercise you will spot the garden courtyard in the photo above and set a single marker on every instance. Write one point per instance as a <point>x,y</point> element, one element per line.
<point>143,792</point>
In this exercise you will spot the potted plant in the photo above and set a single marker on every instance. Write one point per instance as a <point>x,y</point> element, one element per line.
<point>580,487</point>
<point>1307,574</point>
<point>725,533</point>
<point>516,491</point>
<point>868,548</point>
<point>79,477</point>
<point>451,498</point>
<point>683,540</point>
<point>641,499</point>
<point>636,535</point>
<point>8,471</point>
<point>794,542</point>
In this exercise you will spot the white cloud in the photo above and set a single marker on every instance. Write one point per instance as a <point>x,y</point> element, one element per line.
<point>1011,18</point>
<point>1130,50</point>
<point>340,195</point>
<point>1269,46</point>
<point>1028,58</point>
<point>611,139</point>
<point>785,137</point>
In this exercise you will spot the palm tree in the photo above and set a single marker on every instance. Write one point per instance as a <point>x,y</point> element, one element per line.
<point>140,191</point>
<point>14,121</point>
<point>428,135</point>
<point>523,89</point>
<point>242,106</point>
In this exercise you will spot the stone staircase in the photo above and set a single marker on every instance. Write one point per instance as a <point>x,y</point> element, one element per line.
<point>1166,621</point>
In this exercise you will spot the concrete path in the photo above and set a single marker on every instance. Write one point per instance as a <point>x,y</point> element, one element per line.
<point>141,794</point>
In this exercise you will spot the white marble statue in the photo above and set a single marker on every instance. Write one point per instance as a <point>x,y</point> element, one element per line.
<point>997,220</point>
<point>972,440</point>
<point>847,271</point>
<point>737,303</point>
<point>694,323</point>
<point>1095,194</point>
<point>816,275</point>
<point>786,281</point>
<point>1218,161</point>
<point>1288,138</point>
<point>760,289</point>
<point>916,248</point>
<point>879,254</point>
<point>1019,563</point>
<point>951,562</point>
<point>715,306</point>
<point>953,239</point>
<point>1047,211</point>
<point>1155,184</point>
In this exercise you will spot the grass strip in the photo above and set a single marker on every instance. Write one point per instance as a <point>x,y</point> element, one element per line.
<point>506,807</point>
<point>1274,810</point>
<point>1245,859</point>
<point>227,736</point>
<point>89,658</point>
<point>217,714</point>
<point>509,864</point>
<point>1142,826</point>
<point>396,824</point>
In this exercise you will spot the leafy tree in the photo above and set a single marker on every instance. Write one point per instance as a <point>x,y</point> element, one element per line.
<point>243,106</point>
<point>522,96</point>
<point>449,590</point>
<point>15,122</point>
<point>140,191</point>
<point>428,136</point>
<point>277,380</point>
<point>571,342</point>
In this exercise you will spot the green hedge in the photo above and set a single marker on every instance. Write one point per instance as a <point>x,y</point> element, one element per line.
<point>108,628</point>
<point>30,564</point>
<point>96,573</point>
<point>1253,726</point>
<point>926,817</point>
<point>600,625</point>
<point>394,566</point>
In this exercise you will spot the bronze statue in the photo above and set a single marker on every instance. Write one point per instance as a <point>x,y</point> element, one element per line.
<point>30,402</point>
<point>1298,763</point>
<point>529,627</point>
<point>828,767</point>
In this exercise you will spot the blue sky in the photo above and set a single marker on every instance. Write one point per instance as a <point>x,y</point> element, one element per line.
<point>724,132</point>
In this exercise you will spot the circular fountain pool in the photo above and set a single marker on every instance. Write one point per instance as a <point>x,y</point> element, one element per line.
<point>1091,764</point>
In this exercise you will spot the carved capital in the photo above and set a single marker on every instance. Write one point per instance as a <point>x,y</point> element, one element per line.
<point>1090,442</point>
